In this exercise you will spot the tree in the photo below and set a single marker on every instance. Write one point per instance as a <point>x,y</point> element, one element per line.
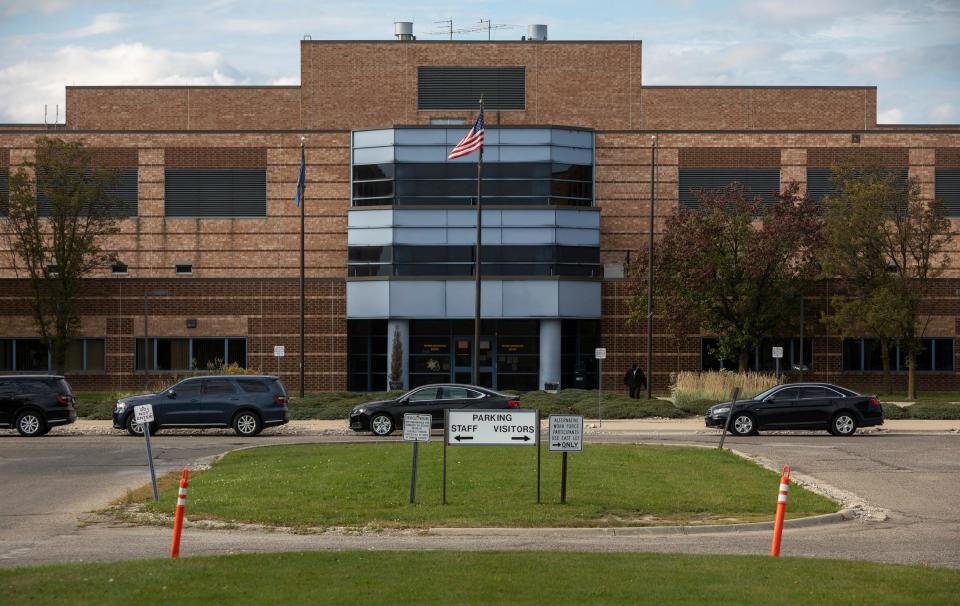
<point>60,208</point>
<point>884,245</point>
<point>734,267</point>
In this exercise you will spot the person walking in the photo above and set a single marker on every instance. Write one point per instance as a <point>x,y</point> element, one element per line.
<point>640,380</point>
<point>630,380</point>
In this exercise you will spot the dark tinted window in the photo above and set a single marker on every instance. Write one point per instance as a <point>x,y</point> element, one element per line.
<point>425,394</point>
<point>459,393</point>
<point>791,393</point>
<point>460,87</point>
<point>818,392</point>
<point>218,387</point>
<point>187,388</point>
<point>253,386</point>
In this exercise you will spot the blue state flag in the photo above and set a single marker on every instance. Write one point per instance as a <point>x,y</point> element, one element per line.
<point>302,179</point>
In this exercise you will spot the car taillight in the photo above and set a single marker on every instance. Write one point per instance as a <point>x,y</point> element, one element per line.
<point>280,400</point>
<point>874,402</point>
<point>513,403</point>
<point>63,400</point>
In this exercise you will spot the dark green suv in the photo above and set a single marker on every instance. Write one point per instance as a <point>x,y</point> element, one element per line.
<point>35,403</point>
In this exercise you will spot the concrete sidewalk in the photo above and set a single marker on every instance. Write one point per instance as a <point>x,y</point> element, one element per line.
<point>691,426</point>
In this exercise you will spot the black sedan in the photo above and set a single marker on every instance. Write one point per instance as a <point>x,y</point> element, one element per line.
<point>383,416</point>
<point>813,406</point>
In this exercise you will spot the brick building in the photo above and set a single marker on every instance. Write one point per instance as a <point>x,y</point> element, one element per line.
<point>210,176</point>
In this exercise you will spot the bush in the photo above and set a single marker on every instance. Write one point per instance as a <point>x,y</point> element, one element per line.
<point>933,410</point>
<point>694,391</point>
<point>584,402</point>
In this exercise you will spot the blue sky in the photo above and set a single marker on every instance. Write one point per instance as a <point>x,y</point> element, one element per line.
<point>910,50</point>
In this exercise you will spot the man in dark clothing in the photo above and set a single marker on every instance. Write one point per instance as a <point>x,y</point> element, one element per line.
<point>630,380</point>
<point>640,380</point>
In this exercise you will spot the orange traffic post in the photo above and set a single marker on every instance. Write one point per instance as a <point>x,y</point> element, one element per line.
<point>781,511</point>
<point>178,519</point>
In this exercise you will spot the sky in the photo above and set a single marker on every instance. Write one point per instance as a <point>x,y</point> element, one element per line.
<point>910,50</point>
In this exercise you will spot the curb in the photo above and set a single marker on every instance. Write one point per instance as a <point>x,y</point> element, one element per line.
<point>630,531</point>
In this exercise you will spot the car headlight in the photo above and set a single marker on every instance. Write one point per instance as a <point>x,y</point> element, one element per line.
<point>721,410</point>
<point>359,411</point>
<point>121,406</point>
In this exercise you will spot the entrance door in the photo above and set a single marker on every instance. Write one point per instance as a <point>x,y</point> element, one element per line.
<point>463,361</point>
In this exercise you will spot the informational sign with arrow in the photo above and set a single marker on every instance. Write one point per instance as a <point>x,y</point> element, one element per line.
<point>486,427</point>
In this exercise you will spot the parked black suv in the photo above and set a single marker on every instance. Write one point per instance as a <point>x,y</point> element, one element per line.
<point>248,403</point>
<point>35,403</point>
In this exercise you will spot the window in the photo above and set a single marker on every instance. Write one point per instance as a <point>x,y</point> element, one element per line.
<point>761,358</point>
<point>450,183</point>
<point>791,393</point>
<point>218,387</point>
<point>459,88</point>
<point>4,190</point>
<point>936,355</point>
<point>30,355</point>
<point>763,182</point>
<point>180,354</point>
<point>119,268</point>
<point>819,393</point>
<point>252,386</point>
<point>578,340</point>
<point>425,395</point>
<point>124,193</point>
<point>183,269</point>
<point>402,260</point>
<point>947,190</point>
<point>188,389</point>
<point>215,192</point>
<point>366,355</point>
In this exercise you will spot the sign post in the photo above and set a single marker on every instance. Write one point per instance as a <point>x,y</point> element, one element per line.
<point>726,424</point>
<point>777,355</point>
<point>600,354</point>
<point>143,415</point>
<point>504,427</point>
<point>566,435</point>
<point>278,352</point>
<point>416,429</point>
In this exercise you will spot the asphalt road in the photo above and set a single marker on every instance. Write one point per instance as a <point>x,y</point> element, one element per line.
<point>911,480</point>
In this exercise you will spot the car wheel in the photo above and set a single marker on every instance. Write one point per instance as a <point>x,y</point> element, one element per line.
<point>843,424</point>
<point>381,424</point>
<point>743,424</point>
<point>31,424</point>
<point>247,424</point>
<point>136,429</point>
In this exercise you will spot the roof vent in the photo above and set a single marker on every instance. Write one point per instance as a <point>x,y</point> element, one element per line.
<point>537,32</point>
<point>403,30</point>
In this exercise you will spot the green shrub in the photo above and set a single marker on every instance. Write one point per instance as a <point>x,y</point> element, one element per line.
<point>893,411</point>
<point>934,410</point>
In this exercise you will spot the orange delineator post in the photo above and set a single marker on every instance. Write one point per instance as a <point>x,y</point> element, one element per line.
<point>781,510</point>
<point>178,519</point>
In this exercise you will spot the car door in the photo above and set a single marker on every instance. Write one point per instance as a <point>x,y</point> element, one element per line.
<point>815,406</point>
<point>220,400</point>
<point>6,402</point>
<point>776,411</point>
<point>425,400</point>
<point>180,405</point>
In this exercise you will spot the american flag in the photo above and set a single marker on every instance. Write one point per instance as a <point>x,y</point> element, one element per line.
<point>471,142</point>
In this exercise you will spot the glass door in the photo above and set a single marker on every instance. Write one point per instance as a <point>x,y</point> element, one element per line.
<point>463,361</point>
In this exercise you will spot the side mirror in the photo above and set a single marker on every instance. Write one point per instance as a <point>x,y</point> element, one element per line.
<point>171,394</point>
<point>771,399</point>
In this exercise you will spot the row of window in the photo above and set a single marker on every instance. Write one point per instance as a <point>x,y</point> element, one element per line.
<point>508,183</point>
<point>31,355</point>
<point>858,355</point>
<point>242,192</point>
<point>399,260</point>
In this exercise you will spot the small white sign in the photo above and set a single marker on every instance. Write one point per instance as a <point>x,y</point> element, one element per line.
<point>600,353</point>
<point>143,413</point>
<point>279,351</point>
<point>777,352</point>
<point>566,433</point>
<point>485,427</point>
<point>416,428</point>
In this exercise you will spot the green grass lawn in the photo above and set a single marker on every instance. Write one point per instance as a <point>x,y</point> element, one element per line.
<point>368,485</point>
<point>435,577</point>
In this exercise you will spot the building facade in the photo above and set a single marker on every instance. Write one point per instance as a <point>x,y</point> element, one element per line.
<point>209,174</point>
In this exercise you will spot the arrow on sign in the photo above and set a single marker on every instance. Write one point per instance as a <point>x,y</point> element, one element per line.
<point>461,438</point>
<point>524,438</point>
<point>556,445</point>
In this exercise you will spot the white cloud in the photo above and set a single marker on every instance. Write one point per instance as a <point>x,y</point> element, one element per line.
<point>106,23</point>
<point>890,116</point>
<point>26,86</point>
<point>945,113</point>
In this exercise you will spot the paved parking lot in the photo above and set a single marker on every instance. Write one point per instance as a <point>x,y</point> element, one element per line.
<point>911,477</point>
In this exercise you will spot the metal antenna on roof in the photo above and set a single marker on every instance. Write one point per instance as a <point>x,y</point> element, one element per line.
<point>448,30</point>
<point>490,26</point>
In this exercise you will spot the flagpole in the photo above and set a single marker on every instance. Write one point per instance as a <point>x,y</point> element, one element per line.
<point>475,374</point>
<point>303,204</point>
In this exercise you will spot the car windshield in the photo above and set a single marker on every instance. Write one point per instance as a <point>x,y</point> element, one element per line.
<point>766,393</point>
